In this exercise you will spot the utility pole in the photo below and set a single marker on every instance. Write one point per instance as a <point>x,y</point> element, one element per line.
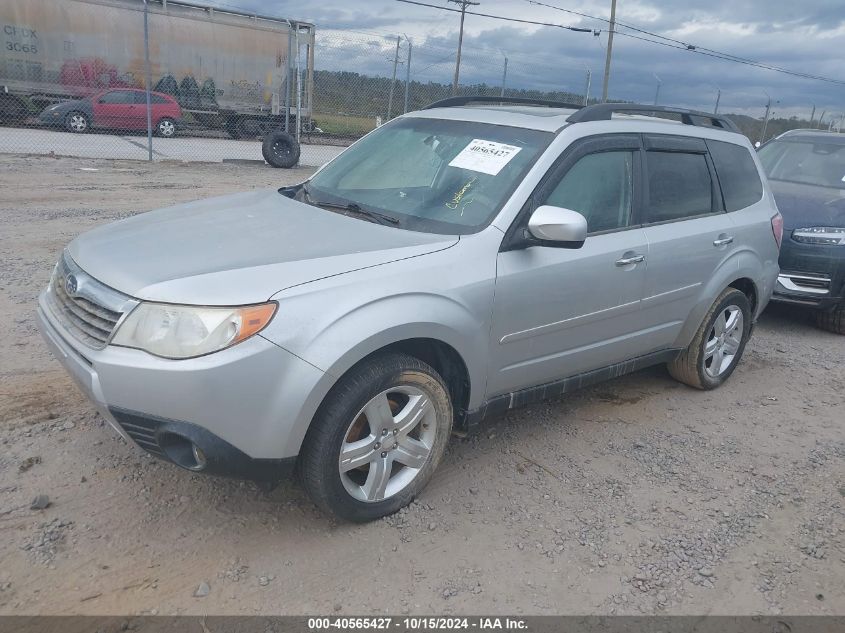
<point>609,50</point>
<point>587,88</point>
<point>819,124</point>
<point>813,115</point>
<point>657,91</point>
<point>407,74</point>
<point>718,98</point>
<point>504,76</point>
<point>464,4</point>
<point>766,118</point>
<point>393,81</point>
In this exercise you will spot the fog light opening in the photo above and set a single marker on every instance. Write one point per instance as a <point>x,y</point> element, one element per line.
<point>183,452</point>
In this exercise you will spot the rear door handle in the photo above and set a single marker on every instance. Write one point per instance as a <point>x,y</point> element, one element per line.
<point>723,241</point>
<point>627,261</point>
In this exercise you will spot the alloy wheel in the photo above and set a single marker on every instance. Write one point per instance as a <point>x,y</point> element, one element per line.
<point>724,341</point>
<point>77,122</point>
<point>166,128</point>
<point>387,444</point>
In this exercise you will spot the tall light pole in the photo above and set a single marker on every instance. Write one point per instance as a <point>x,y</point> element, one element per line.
<point>718,98</point>
<point>609,50</point>
<point>657,90</point>
<point>464,4</point>
<point>819,124</point>
<point>504,75</point>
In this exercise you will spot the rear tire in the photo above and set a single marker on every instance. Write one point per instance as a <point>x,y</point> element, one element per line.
<point>76,122</point>
<point>717,346</point>
<point>166,128</point>
<point>280,149</point>
<point>832,320</point>
<point>377,438</point>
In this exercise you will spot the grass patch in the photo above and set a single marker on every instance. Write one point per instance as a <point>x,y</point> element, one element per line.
<point>345,125</point>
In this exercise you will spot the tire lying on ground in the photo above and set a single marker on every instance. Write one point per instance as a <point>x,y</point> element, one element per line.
<point>280,149</point>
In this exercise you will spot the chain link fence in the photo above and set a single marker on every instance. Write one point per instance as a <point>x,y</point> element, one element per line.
<point>220,81</point>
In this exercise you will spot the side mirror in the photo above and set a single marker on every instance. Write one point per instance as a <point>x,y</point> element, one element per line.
<point>556,226</point>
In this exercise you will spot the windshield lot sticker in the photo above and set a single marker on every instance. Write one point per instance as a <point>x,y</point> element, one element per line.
<point>488,157</point>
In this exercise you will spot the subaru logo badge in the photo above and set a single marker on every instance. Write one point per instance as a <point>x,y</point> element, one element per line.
<point>71,285</point>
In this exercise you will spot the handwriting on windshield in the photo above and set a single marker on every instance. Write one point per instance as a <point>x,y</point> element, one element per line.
<point>455,202</point>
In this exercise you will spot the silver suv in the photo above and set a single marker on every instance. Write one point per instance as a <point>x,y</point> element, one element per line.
<point>453,264</point>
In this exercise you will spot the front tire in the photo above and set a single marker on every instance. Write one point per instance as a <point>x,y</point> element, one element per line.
<point>717,346</point>
<point>377,438</point>
<point>832,320</point>
<point>77,122</point>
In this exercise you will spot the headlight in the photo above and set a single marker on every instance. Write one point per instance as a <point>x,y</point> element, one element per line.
<point>174,331</point>
<point>824,235</point>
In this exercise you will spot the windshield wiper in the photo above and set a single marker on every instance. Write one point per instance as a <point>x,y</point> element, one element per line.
<point>354,209</point>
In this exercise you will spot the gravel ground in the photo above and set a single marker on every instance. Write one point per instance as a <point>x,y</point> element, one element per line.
<point>636,496</point>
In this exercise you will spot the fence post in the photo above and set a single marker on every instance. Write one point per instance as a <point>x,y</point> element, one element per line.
<point>148,80</point>
<point>407,75</point>
<point>298,88</point>
<point>393,81</point>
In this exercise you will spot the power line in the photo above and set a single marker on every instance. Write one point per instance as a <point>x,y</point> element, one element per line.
<point>687,46</point>
<point>499,17</point>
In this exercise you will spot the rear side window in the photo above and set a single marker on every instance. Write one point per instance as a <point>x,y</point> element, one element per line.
<point>141,97</point>
<point>118,96</point>
<point>679,186</point>
<point>599,187</point>
<point>741,186</point>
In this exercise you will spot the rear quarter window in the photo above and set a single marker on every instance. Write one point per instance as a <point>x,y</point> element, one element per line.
<point>738,176</point>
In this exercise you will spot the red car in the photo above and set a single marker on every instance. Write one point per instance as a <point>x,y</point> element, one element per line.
<point>122,108</point>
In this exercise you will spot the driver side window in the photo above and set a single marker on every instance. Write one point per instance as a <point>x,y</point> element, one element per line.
<point>600,187</point>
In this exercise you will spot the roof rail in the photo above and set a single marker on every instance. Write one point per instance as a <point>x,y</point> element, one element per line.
<point>605,111</point>
<point>465,100</point>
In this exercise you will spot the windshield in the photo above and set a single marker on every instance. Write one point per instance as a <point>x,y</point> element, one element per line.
<point>804,161</point>
<point>431,175</point>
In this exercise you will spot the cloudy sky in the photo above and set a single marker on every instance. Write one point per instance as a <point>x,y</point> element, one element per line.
<point>806,36</point>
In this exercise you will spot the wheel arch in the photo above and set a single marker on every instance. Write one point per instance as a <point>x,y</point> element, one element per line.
<point>442,354</point>
<point>738,271</point>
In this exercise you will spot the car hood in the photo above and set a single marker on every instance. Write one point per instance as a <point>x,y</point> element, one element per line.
<point>67,106</point>
<point>238,249</point>
<point>808,205</point>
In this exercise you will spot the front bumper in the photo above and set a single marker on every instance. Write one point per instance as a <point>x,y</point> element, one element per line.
<point>242,406</point>
<point>811,275</point>
<point>51,118</point>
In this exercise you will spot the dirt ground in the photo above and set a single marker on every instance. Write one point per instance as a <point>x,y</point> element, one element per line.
<point>636,496</point>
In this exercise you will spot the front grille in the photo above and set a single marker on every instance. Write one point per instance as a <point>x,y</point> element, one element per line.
<point>91,312</point>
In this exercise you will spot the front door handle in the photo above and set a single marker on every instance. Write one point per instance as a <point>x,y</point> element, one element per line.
<point>627,261</point>
<point>723,241</point>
